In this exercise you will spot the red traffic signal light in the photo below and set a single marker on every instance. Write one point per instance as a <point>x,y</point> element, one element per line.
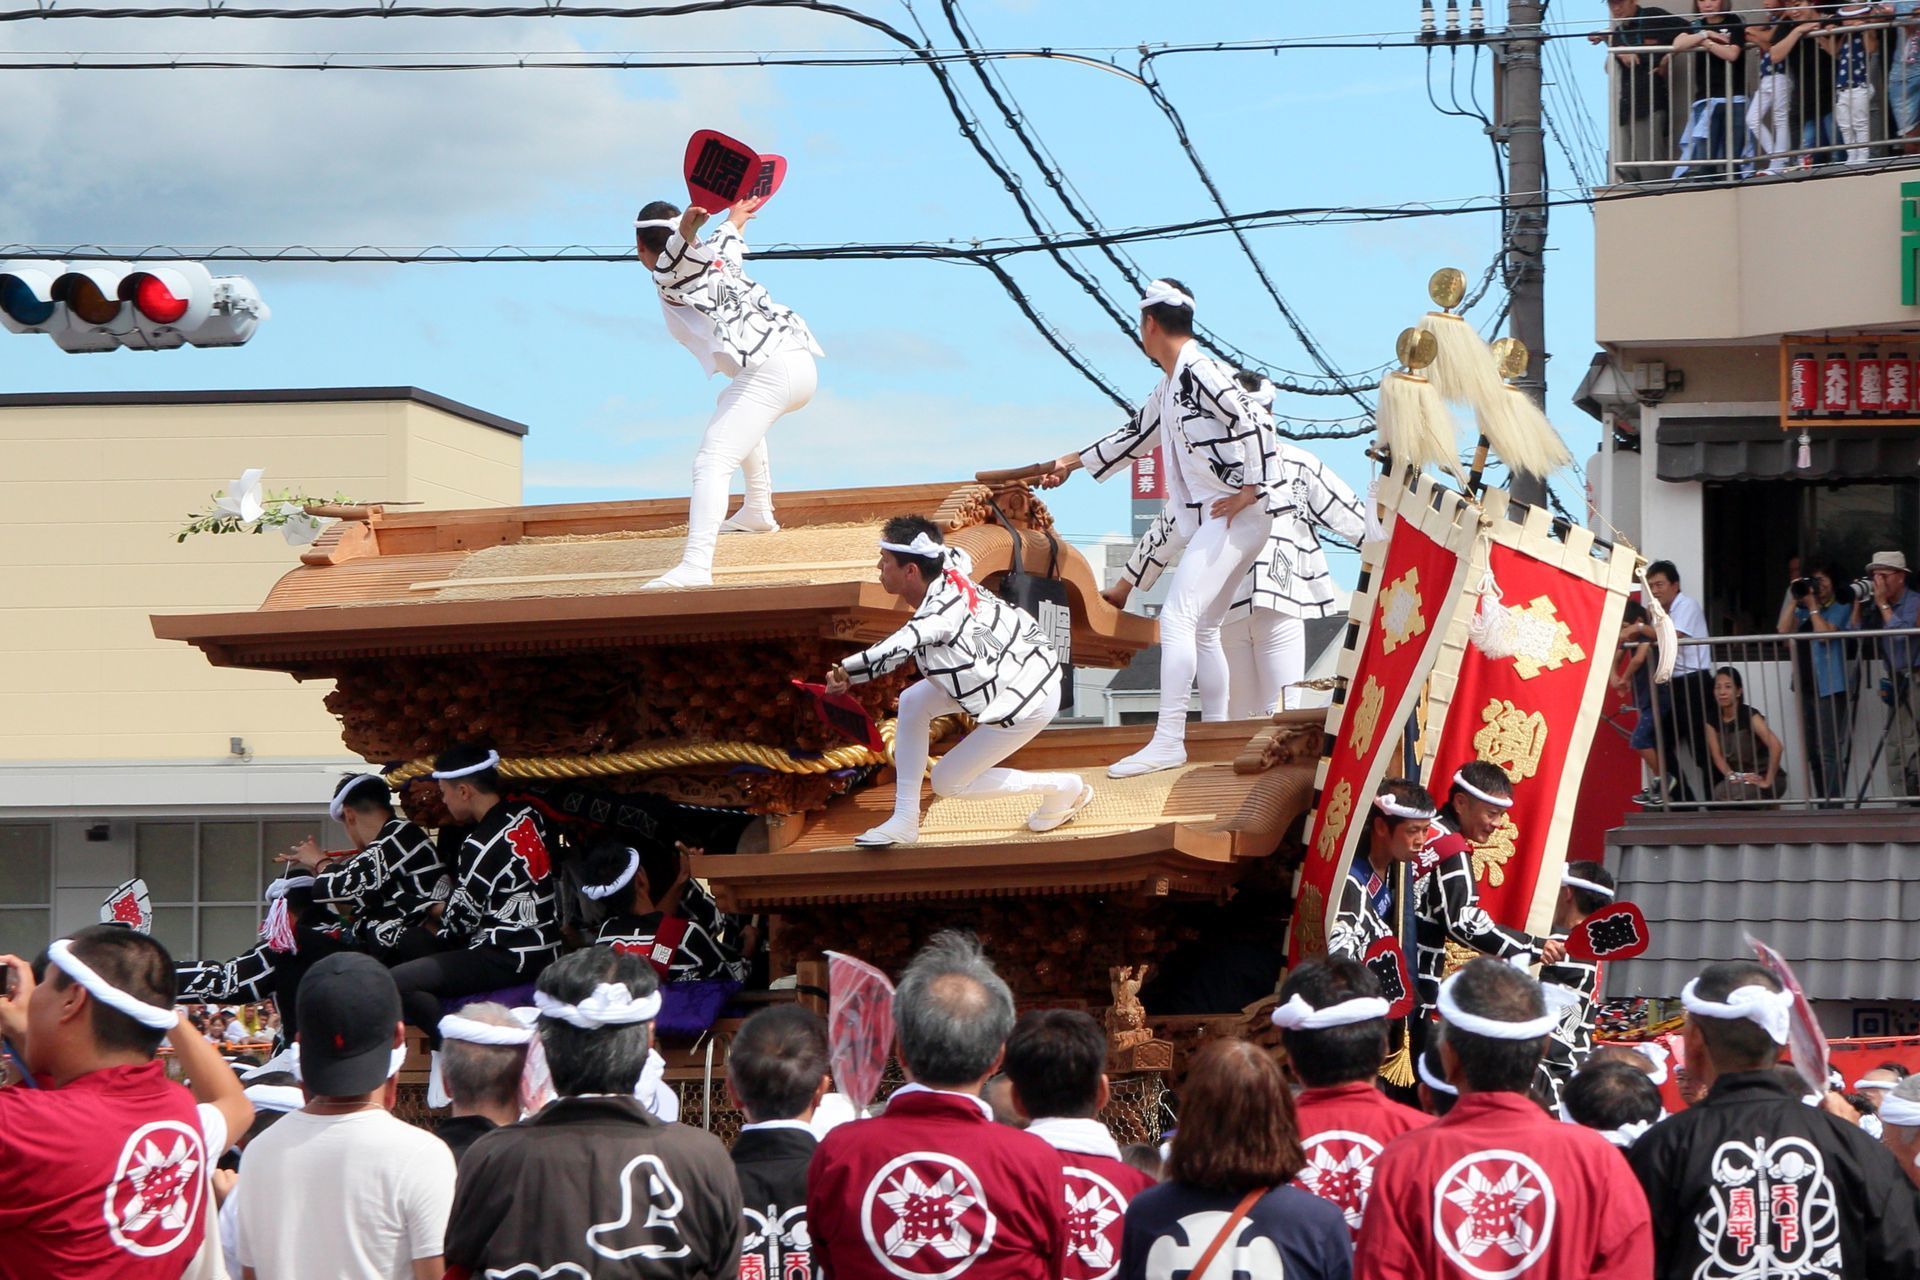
<point>101,306</point>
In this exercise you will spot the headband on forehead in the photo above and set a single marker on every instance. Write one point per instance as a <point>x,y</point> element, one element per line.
<point>1432,1081</point>
<point>1162,294</point>
<point>1494,1028</point>
<point>1394,809</point>
<point>147,1015</point>
<point>610,1005</point>
<point>447,775</point>
<point>1862,1085</point>
<point>1591,886</point>
<point>1297,1015</point>
<point>1658,1056</point>
<point>1771,1011</point>
<point>337,807</point>
<point>924,548</point>
<point>619,882</point>
<point>1895,1109</point>
<point>656,224</point>
<point>467,1030</point>
<point>1498,802</point>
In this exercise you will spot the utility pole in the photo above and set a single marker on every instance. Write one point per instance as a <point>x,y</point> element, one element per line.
<point>1526,204</point>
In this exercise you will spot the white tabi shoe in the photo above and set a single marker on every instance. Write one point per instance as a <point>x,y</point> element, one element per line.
<point>1149,759</point>
<point>678,577</point>
<point>1045,819</point>
<point>887,835</point>
<point>745,521</point>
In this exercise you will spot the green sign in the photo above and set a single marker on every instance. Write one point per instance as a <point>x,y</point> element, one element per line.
<point>1910,244</point>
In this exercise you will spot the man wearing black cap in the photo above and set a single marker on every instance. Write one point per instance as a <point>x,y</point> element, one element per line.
<point>502,915</point>
<point>342,1187</point>
<point>593,1185</point>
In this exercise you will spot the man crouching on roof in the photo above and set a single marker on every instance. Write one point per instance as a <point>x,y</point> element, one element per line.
<point>980,655</point>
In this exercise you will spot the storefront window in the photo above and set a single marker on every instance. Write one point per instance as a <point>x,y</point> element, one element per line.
<point>1755,527</point>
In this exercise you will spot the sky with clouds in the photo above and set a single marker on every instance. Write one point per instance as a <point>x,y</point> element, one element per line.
<point>930,372</point>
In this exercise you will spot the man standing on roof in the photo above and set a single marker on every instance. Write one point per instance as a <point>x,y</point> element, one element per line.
<point>1221,474</point>
<point>725,318</point>
<point>980,655</point>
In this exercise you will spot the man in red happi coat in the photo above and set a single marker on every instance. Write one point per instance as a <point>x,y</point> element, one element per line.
<point>1333,1023</point>
<point>933,1187</point>
<point>1056,1063</point>
<point>1496,1188</point>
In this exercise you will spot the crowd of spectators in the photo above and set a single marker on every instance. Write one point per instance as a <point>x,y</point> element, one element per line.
<point>1766,86</point>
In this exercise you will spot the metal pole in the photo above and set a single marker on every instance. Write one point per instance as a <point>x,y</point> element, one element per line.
<point>1526,208</point>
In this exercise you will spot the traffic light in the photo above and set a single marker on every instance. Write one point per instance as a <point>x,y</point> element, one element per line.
<point>153,307</point>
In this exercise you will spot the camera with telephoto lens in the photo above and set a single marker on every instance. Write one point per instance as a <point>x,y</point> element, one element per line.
<point>1848,592</point>
<point>1801,588</point>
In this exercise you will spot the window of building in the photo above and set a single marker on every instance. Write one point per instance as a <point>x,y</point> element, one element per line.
<point>207,878</point>
<point>26,887</point>
<point>1754,527</point>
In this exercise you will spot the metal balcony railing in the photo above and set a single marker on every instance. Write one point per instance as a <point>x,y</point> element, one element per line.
<point>1684,112</point>
<point>1812,720</point>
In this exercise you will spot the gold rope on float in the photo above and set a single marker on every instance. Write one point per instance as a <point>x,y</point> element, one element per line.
<point>683,754</point>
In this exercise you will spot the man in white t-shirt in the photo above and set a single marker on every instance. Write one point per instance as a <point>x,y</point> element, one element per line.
<point>342,1187</point>
<point>1692,688</point>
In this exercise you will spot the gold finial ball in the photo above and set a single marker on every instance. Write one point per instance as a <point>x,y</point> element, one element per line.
<point>1416,348</point>
<point>1446,287</point>
<point>1512,356</point>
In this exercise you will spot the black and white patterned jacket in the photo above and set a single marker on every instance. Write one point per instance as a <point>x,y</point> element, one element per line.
<point>1215,439</point>
<point>705,951</point>
<point>708,279</point>
<point>245,979</point>
<point>503,892</point>
<point>1446,907</point>
<point>1291,576</point>
<point>990,655</point>
<point>389,884</point>
<point>1356,924</point>
<point>1572,1040</point>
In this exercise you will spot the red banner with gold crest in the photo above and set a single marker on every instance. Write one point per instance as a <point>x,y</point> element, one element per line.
<point>1401,617</point>
<point>1533,713</point>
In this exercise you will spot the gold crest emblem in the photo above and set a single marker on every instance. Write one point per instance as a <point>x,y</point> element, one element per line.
<point>1366,717</point>
<point>1401,616</point>
<point>1333,820</point>
<point>1511,738</point>
<point>1541,640</point>
<point>1310,922</point>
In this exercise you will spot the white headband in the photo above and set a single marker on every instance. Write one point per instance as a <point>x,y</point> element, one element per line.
<point>1858,1085</point>
<point>275,1097</point>
<point>610,1005</point>
<point>337,807</point>
<point>1498,802</point>
<point>455,1027</point>
<point>279,888</point>
<point>1895,1109</point>
<point>1297,1015</point>
<point>1394,809</point>
<point>147,1015</point>
<point>1575,882</point>
<point>656,224</point>
<point>1771,1011</point>
<point>1627,1134</point>
<point>447,775</point>
<point>921,546</point>
<point>1162,294</point>
<point>619,882</point>
<point>1433,1082</point>
<point>1658,1056</point>
<point>1493,1028</point>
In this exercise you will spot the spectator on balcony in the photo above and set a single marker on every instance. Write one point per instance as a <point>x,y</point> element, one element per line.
<point>1813,77</point>
<point>1903,72</point>
<point>1633,677</point>
<point>1896,607</point>
<point>1716,45</point>
<point>1640,115</point>
<point>1746,752</point>
<point>1820,675</point>
<point>1770,113</point>
<point>1691,690</point>
<point>1853,51</point>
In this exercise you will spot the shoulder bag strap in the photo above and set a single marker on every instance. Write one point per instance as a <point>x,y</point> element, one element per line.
<point>1240,1211</point>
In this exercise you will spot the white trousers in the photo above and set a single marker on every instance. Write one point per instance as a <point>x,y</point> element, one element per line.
<point>1853,116</point>
<point>968,769</point>
<point>1205,583</point>
<point>1770,120</point>
<point>1264,653</point>
<point>736,440</point>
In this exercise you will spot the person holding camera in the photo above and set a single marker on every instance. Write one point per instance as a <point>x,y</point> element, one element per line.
<point>1820,674</point>
<point>1896,607</point>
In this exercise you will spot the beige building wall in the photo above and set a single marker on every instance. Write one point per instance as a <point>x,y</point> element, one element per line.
<point>1751,261</point>
<point>91,495</point>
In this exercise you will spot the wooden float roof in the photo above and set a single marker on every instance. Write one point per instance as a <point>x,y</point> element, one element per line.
<point>1183,832</point>
<point>553,578</point>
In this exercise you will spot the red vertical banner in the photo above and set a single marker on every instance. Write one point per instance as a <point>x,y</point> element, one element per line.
<point>1534,711</point>
<point>1149,481</point>
<point>1399,622</point>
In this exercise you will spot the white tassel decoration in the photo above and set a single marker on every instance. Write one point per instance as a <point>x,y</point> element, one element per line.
<point>1520,435</point>
<point>1415,425</point>
<point>1666,637</point>
<point>1375,530</point>
<point>1464,370</point>
<point>1491,629</point>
